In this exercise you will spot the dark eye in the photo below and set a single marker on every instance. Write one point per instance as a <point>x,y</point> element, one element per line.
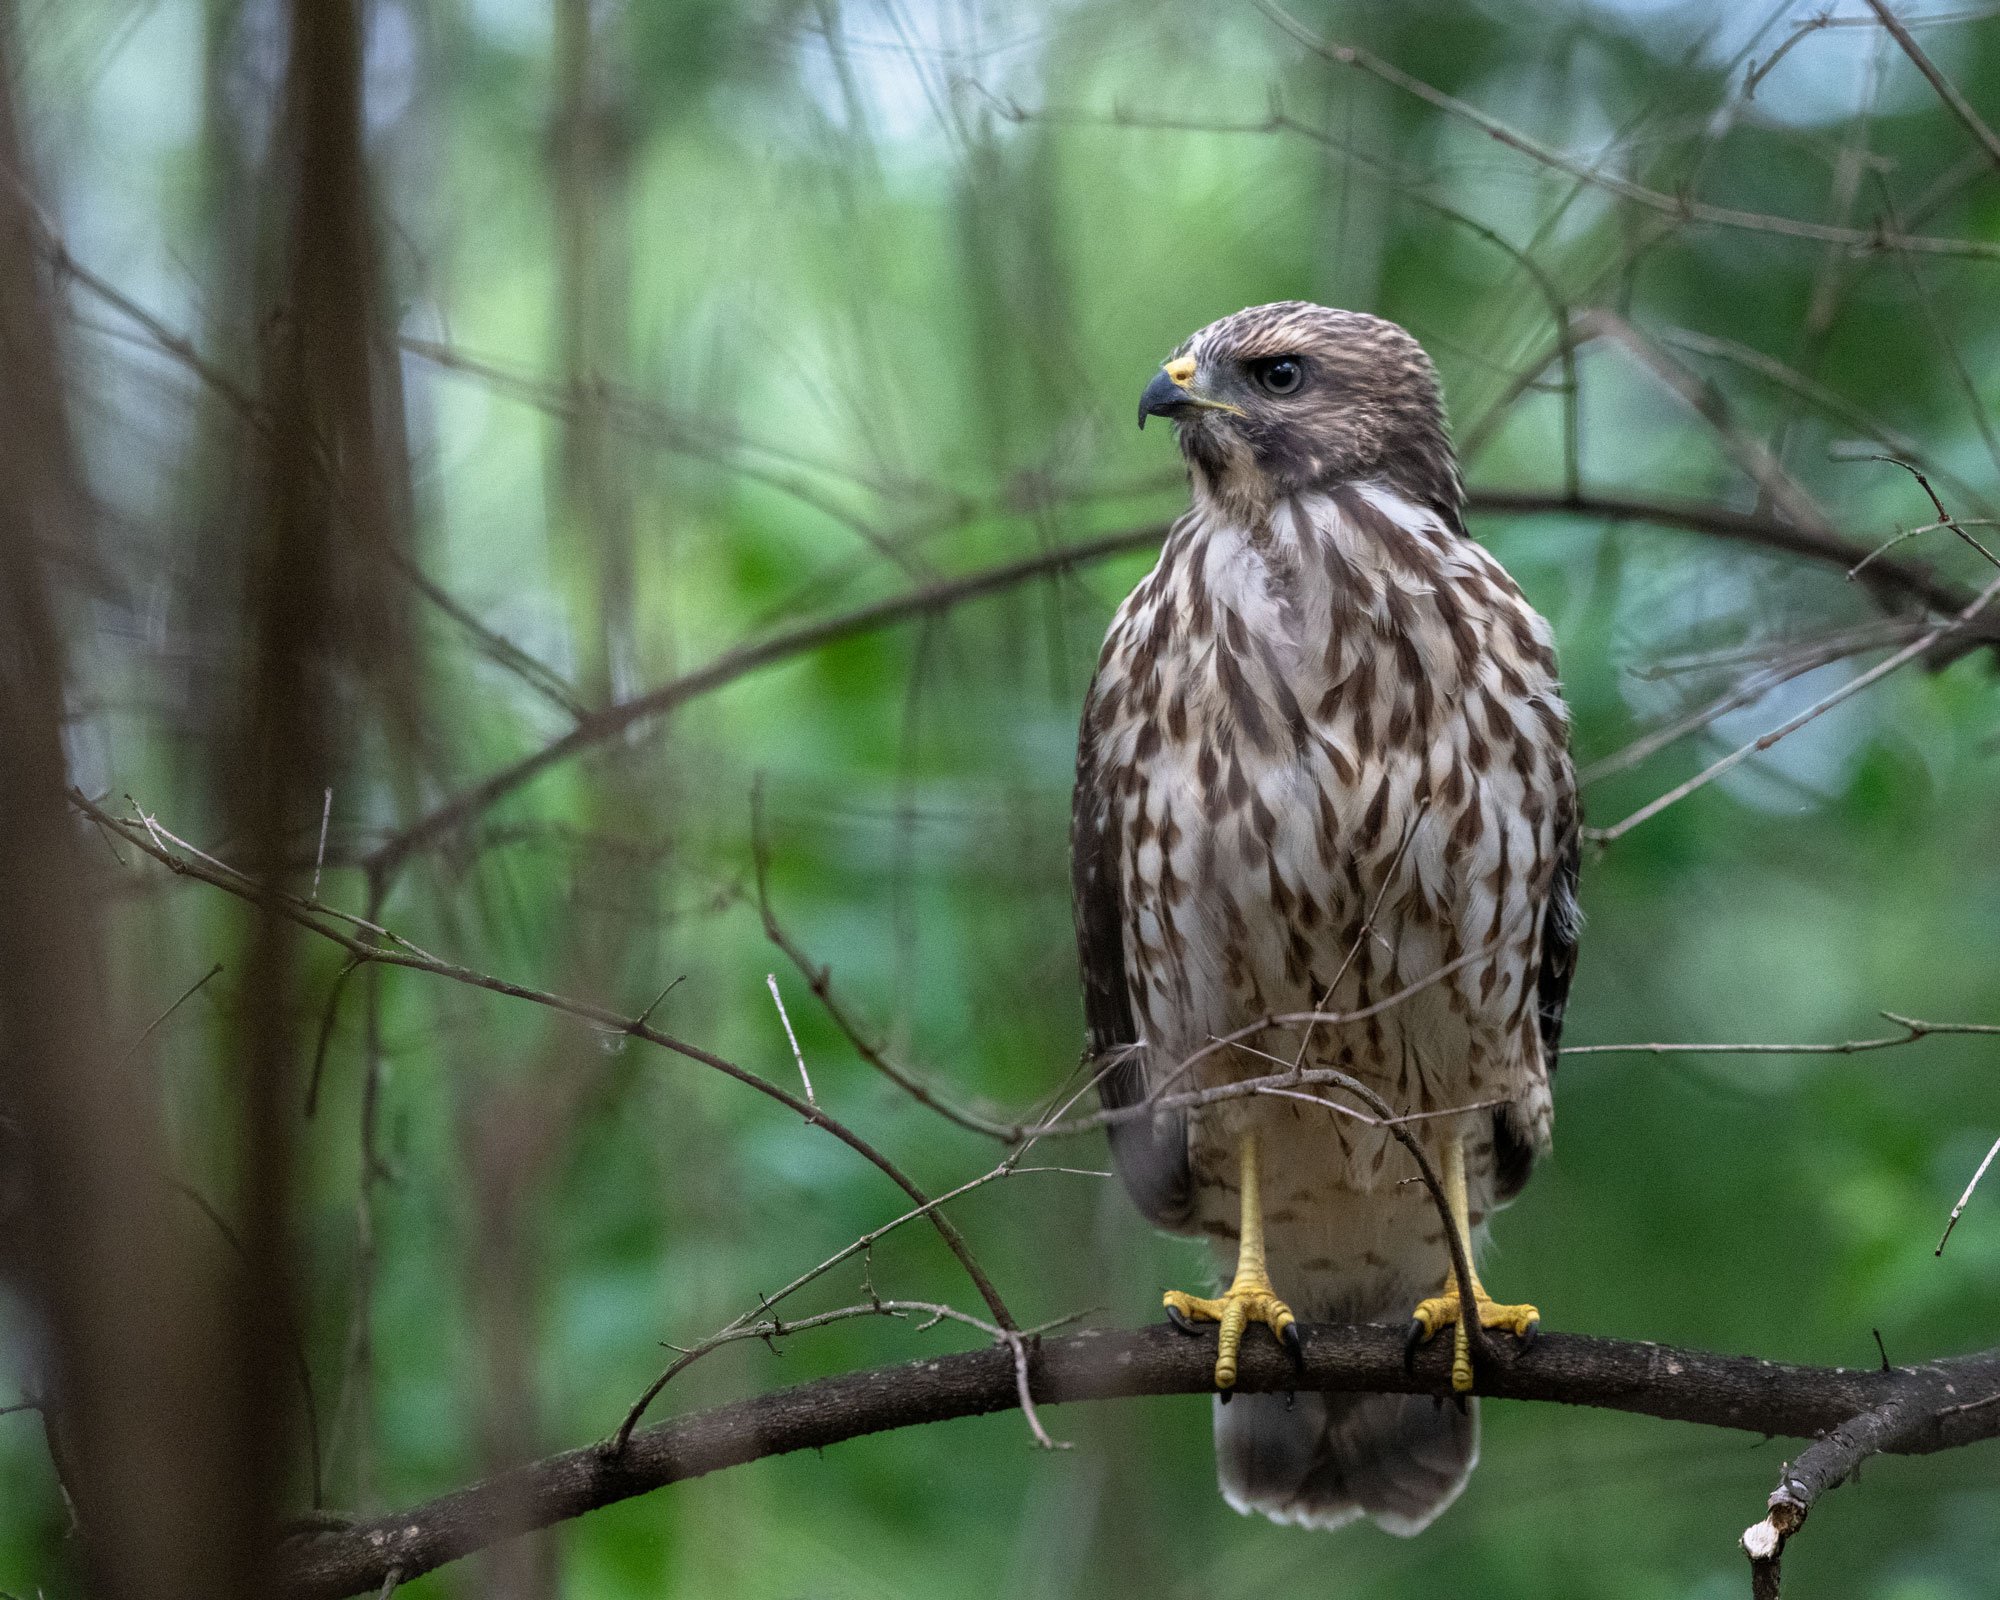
<point>1281,375</point>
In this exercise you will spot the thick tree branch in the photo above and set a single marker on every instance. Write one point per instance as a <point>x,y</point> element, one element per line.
<point>1931,1408</point>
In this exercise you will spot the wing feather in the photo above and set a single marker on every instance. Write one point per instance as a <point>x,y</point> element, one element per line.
<point>1149,1153</point>
<point>1562,925</point>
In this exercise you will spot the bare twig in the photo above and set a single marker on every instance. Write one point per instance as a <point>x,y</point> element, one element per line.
<point>613,720</point>
<point>186,995</point>
<point>1829,402</point>
<point>1947,91</point>
<point>177,347</point>
<point>1752,688</point>
<point>1966,1198</point>
<point>145,834</point>
<point>1678,207</point>
<point>820,980</point>
<point>1890,579</point>
<point>1774,483</point>
<point>1944,518</point>
<point>1914,1028</point>
<point>294,1334</point>
<point>1156,1097</point>
<point>319,859</point>
<point>778,1000</point>
<point>1848,690</point>
<point>637,1411</point>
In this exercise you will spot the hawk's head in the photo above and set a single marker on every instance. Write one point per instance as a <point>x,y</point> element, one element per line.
<point>1293,396</point>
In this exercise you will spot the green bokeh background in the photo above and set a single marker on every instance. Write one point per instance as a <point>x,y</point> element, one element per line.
<point>874,289</point>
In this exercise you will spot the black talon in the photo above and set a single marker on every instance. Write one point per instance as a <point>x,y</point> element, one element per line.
<point>1294,1346</point>
<point>1412,1342</point>
<point>1224,1395</point>
<point>1179,1321</point>
<point>1532,1337</point>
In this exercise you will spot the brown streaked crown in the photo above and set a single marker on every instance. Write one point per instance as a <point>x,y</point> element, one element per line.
<point>1366,406</point>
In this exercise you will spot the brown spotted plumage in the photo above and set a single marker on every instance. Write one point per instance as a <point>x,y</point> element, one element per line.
<point>1324,757</point>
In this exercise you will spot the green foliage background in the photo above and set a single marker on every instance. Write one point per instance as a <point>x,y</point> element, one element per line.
<point>841,297</point>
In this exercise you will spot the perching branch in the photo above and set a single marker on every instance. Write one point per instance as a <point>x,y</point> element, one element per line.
<point>1930,1408</point>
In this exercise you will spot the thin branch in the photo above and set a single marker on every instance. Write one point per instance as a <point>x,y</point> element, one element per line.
<point>1750,455</point>
<point>186,995</point>
<point>1157,1098</point>
<point>1914,1028</point>
<point>604,404</point>
<point>601,726</point>
<point>819,979</point>
<point>1848,690</point>
<point>613,721</point>
<point>1678,207</point>
<point>1403,183</point>
<point>1758,71</point>
<point>798,1055</point>
<point>146,835</point>
<point>1888,578</point>
<point>1737,1392</point>
<point>329,1016</point>
<point>1751,689</point>
<point>1820,397</point>
<point>1947,91</point>
<point>637,1410</point>
<point>537,675</point>
<point>1747,693</point>
<point>1945,518</point>
<point>777,1327</point>
<point>1965,1199</point>
<point>325,821</point>
<point>294,1335</point>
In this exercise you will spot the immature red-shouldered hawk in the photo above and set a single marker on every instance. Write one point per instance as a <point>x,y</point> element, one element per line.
<point>1325,756</point>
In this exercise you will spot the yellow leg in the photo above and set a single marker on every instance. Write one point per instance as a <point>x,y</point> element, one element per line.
<point>1442,1311</point>
<point>1249,1297</point>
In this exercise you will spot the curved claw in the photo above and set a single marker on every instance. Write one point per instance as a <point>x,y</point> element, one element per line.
<point>1185,1324</point>
<point>1531,1335</point>
<point>1413,1339</point>
<point>1294,1346</point>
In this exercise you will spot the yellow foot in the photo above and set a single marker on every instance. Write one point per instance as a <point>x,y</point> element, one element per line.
<point>1442,1311</point>
<point>1241,1304</point>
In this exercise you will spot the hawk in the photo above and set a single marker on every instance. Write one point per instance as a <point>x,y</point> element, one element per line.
<point>1324,767</point>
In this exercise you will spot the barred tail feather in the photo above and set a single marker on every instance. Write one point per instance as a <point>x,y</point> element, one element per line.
<point>1322,1460</point>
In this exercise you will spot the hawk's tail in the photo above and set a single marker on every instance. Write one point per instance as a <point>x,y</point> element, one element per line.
<point>1321,1460</point>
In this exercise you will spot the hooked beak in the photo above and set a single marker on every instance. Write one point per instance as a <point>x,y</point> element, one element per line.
<point>1170,394</point>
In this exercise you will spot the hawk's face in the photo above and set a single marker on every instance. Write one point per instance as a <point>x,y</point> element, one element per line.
<point>1293,396</point>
